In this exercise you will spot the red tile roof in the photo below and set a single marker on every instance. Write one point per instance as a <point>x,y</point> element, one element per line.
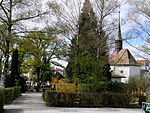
<point>58,69</point>
<point>124,57</point>
<point>141,62</point>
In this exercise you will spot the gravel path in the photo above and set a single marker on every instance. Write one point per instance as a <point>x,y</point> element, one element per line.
<point>33,103</point>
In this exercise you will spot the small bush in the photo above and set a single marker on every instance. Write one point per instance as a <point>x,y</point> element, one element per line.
<point>62,86</point>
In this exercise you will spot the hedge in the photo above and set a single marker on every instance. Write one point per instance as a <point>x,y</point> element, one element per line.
<point>7,95</point>
<point>86,99</point>
<point>116,99</point>
<point>1,99</point>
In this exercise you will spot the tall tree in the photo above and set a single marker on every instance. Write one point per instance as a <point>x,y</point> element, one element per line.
<point>14,15</point>
<point>88,54</point>
<point>15,66</point>
<point>41,51</point>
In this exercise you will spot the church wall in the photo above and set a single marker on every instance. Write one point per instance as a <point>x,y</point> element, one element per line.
<point>126,71</point>
<point>116,79</point>
<point>134,70</point>
<point>121,70</point>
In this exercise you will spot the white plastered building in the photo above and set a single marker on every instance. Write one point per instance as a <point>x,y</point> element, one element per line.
<point>122,63</point>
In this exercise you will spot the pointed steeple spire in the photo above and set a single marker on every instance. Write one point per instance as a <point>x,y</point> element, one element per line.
<point>119,26</point>
<point>118,41</point>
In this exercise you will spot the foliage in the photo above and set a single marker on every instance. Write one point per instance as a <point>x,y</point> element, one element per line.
<point>14,67</point>
<point>138,82</point>
<point>62,86</point>
<point>0,66</point>
<point>148,100</point>
<point>58,75</point>
<point>12,22</point>
<point>86,99</point>
<point>41,50</point>
<point>115,99</point>
<point>9,81</point>
<point>72,99</point>
<point>142,99</point>
<point>117,87</point>
<point>7,95</point>
<point>1,99</point>
<point>48,73</point>
<point>22,83</point>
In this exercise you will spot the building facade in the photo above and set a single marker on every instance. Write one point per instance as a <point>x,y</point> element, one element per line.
<point>145,67</point>
<point>122,62</point>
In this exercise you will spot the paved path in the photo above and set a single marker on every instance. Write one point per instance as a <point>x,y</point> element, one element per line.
<point>33,103</point>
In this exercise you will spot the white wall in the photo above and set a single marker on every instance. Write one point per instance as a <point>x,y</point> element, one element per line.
<point>116,79</point>
<point>134,70</point>
<point>126,71</point>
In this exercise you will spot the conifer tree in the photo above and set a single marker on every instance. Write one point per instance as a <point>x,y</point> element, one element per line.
<point>88,59</point>
<point>15,66</point>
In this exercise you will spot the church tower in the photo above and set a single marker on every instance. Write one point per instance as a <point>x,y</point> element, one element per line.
<point>118,41</point>
<point>122,62</point>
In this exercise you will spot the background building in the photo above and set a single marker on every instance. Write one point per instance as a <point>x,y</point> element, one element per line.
<point>145,67</point>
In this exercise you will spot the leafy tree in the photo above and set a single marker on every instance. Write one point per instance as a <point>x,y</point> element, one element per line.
<point>41,50</point>
<point>138,82</point>
<point>88,62</point>
<point>14,14</point>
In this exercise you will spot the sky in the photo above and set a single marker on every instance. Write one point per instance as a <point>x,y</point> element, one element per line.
<point>125,28</point>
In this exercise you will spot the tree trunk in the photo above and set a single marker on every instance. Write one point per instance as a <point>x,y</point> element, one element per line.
<point>5,66</point>
<point>38,79</point>
<point>0,64</point>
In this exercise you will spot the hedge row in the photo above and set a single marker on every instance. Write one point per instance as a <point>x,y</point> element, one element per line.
<point>7,95</point>
<point>116,99</point>
<point>85,99</point>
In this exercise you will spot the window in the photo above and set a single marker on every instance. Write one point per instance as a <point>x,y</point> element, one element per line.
<point>121,71</point>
